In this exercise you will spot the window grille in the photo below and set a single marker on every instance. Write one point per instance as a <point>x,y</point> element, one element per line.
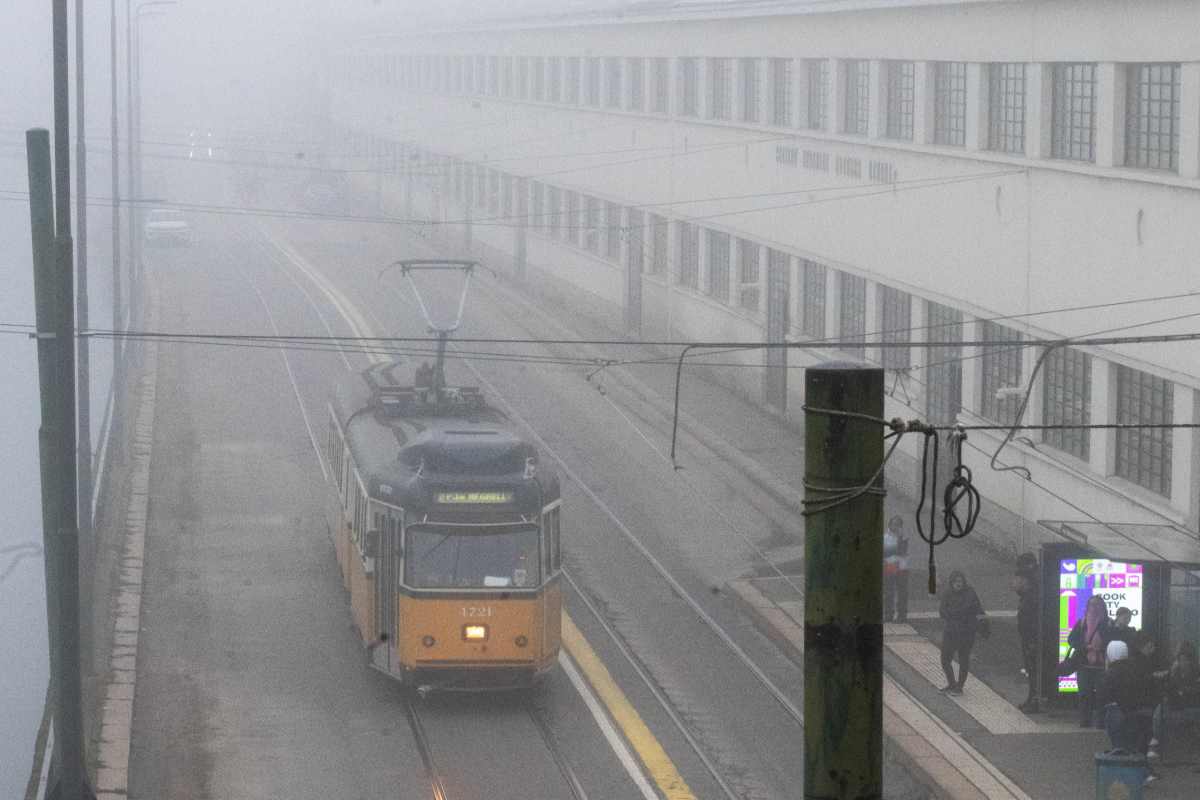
<point>592,81</point>
<point>659,240</point>
<point>612,232</point>
<point>523,78</point>
<point>493,75</point>
<point>1006,107</point>
<point>720,88</point>
<point>613,74</point>
<point>749,80</point>
<point>554,81</point>
<point>901,92</point>
<point>493,200</point>
<point>881,171</point>
<point>1152,116</point>
<point>637,241</point>
<point>689,79</point>
<point>943,366</point>
<point>591,224</point>
<point>571,88</point>
<point>815,160</point>
<point>539,79</point>
<point>1144,454</point>
<point>781,92</point>
<point>749,291</point>
<point>637,84</point>
<point>689,256</point>
<point>506,195</point>
<point>507,80</point>
<point>787,155</point>
<point>480,186</point>
<point>853,327</point>
<point>818,93</point>
<point>662,85</point>
<point>718,265</point>
<point>895,318</point>
<point>812,299</point>
<point>1001,367</point>
<point>571,223</point>
<point>858,96</point>
<point>950,103</point>
<point>1067,399</point>
<point>848,166</point>
<point>538,209</point>
<point>1073,135</point>
<point>553,211</point>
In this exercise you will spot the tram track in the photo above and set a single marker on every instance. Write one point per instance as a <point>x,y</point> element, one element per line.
<point>560,759</point>
<point>424,749</point>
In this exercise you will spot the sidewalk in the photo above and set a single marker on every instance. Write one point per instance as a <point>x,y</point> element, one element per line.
<point>975,746</point>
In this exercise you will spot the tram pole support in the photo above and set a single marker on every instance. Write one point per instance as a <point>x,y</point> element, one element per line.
<point>843,614</point>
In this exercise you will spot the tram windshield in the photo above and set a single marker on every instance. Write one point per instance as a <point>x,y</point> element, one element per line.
<point>438,557</point>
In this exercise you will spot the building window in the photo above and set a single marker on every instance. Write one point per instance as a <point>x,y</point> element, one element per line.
<point>718,265</point>
<point>571,223</point>
<point>1067,399</point>
<point>539,79</point>
<point>895,318</point>
<point>493,76</point>
<point>591,224</point>
<point>613,75</point>
<point>637,84</point>
<point>1144,454</point>
<point>659,249</point>
<point>553,211</point>
<point>554,80</point>
<point>571,93</point>
<point>1073,135</point>
<point>1006,107</point>
<point>591,82</point>
<point>853,322</point>
<point>901,91</point>
<point>1152,116</point>
<point>662,85</point>
<point>749,81</point>
<point>637,241</point>
<point>812,299</point>
<point>943,368</point>
<point>539,206</point>
<point>612,233</point>
<point>858,97</point>
<point>689,256</point>
<point>749,293</point>
<point>689,85</point>
<point>493,192</point>
<point>781,92</point>
<point>720,88</point>
<point>1001,367</point>
<point>818,93</point>
<point>480,187</point>
<point>523,78</point>
<point>950,103</point>
<point>506,82</point>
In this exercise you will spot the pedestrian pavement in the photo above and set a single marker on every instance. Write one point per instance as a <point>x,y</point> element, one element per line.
<point>979,745</point>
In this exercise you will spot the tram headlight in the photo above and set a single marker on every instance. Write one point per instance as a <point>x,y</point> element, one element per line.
<point>475,633</point>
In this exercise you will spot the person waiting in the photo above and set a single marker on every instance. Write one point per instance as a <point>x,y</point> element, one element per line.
<point>1181,697</point>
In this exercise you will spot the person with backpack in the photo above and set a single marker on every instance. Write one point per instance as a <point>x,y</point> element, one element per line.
<point>1089,638</point>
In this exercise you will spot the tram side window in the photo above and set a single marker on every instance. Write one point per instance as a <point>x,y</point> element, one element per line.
<point>553,553</point>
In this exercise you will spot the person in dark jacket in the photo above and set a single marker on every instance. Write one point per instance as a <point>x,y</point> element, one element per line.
<point>961,611</point>
<point>1181,699</point>
<point>1122,628</point>
<point>1029,606</point>
<point>1129,692</point>
<point>1089,637</point>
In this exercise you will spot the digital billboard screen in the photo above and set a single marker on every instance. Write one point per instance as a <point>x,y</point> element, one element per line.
<point>1117,582</point>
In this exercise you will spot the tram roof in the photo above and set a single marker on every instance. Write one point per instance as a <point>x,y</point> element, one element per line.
<point>414,454</point>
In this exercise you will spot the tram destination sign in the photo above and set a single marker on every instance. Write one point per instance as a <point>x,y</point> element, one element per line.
<point>473,498</point>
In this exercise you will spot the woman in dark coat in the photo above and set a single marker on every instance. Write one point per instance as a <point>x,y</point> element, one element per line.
<point>1090,637</point>
<point>961,611</point>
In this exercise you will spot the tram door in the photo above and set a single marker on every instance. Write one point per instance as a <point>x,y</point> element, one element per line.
<point>387,577</point>
<point>775,359</point>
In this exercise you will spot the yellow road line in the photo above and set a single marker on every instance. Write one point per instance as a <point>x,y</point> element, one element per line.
<point>656,761</point>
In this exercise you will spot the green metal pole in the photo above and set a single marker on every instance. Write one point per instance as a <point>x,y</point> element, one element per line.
<point>843,614</point>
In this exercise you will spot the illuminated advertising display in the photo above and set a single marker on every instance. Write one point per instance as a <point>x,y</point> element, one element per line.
<point>1118,583</point>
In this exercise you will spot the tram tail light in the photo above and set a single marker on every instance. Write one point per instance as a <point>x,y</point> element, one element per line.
<point>475,633</point>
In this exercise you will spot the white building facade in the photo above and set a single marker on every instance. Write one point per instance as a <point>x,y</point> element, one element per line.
<point>908,171</point>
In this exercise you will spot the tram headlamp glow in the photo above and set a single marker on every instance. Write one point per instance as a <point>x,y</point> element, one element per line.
<point>475,633</point>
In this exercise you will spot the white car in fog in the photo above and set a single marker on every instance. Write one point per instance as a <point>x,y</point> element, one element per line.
<point>167,226</point>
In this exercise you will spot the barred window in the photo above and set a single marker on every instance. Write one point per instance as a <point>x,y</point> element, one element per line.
<point>853,323</point>
<point>901,90</point>
<point>718,265</point>
<point>812,299</point>
<point>950,103</point>
<point>1144,454</point>
<point>481,187</point>
<point>659,242</point>
<point>523,78</point>
<point>612,232</point>
<point>539,79</point>
<point>553,211</point>
<point>456,179</point>
<point>1067,399</point>
<point>457,78</point>
<point>1073,134</point>
<point>781,92</point>
<point>637,241</point>
<point>689,256</point>
<point>1006,107</point>
<point>1001,368</point>
<point>749,80</point>
<point>689,84</point>
<point>895,318</point>
<point>858,97</point>
<point>539,206</point>
<point>571,222</point>
<point>506,83</point>
<point>554,81</point>
<point>591,81</point>
<point>943,366</point>
<point>749,291</point>
<point>613,75</point>
<point>591,224</point>
<point>818,93</point>
<point>506,195</point>
<point>637,84</point>
<point>1152,116</point>
<point>493,192</point>
<point>662,85</point>
<point>720,88</point>
<point>571,81</point>
<point>493,75</point>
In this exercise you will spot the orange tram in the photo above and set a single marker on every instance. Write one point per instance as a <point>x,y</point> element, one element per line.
<point>446,531</point>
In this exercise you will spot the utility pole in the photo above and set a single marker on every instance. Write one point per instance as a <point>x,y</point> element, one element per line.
<point>114,134</point>
<point>83,365</point>
<point>843,614</point>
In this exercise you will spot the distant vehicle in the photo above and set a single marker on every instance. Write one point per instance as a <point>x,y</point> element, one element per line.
<point>166,226</point>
